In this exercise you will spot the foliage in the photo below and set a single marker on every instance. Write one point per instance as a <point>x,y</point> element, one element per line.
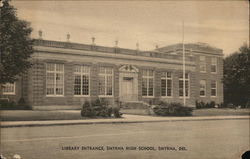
<point>236,78</point>
<point>11,105</point>
<point>87,110</point>
<point>201,104</point>
<point>15,44</point>
<point>116,112</point>
<point>172,109</point>
<point>99,108</point>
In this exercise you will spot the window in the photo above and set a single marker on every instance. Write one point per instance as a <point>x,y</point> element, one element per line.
<point>213,65</point>
<point>181,85</point>
<point>202,64</point>
<point>106,81</point>
<point>166,84</point>
<point>81,84</point>
<point>202,88</point>
<point>147,83</point>
<point>54,79</point>
<point>213,88</point>
<point>9,89</point>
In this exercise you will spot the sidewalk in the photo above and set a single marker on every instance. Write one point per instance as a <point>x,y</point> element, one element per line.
<point>126,119</point>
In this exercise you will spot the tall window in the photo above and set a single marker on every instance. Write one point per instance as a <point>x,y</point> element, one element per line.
<point>213,65</point>
<point>202,64</point>
<point>106,81</point>
<point>81,85</point>
<point>202,88</point>
<point>213,88</point>
<point>147,83</point>
<point>166,84</point>
<point>54,79</point>
<point>181,84</point>
<point>9,89</point>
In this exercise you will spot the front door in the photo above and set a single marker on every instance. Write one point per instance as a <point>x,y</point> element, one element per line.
<point>127,89</point>
<point>128,83</point>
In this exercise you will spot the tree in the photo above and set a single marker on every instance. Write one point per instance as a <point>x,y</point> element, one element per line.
<point>236,78</point>
<point>15,44</point>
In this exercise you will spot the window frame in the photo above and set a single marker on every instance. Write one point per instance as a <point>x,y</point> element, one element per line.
<point>202,62</point>
<point>147,77</point>
<point>188,79</point>
<point>14,89</point>
<point>81,84</point>
<point>205,88</point>
<point>105,82</point>
<point>166,79</point>
<point>214,63</point>
<point>54,86</point>
<point>211,88</point>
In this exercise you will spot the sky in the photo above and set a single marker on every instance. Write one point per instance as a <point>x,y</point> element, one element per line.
<point>222,24</point>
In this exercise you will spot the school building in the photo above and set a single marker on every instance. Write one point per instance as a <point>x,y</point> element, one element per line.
<point>67,74</point>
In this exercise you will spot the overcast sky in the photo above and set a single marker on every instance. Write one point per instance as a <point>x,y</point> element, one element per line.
<point>223,24</point>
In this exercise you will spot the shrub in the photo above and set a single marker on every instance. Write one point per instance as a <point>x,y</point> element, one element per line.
<point>11,105</point>
<point>202,105</point>
<point>87,110</point>
<point>116,112</point>
<point>172,109</point>
<point>99,108</point>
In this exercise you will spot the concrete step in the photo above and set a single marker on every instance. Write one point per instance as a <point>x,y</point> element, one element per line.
<point>136,108</point>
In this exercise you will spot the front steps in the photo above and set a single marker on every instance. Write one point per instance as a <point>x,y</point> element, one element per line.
<point>136,108</point>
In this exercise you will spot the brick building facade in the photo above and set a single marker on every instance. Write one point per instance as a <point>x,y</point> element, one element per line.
<point>65,73</point>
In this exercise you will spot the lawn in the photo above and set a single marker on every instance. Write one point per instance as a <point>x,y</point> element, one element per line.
<point>220,112</point>
<point>27,115</point>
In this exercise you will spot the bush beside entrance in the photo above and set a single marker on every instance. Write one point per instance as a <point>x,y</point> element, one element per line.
<point>99,108</point>
<point>172,109</point>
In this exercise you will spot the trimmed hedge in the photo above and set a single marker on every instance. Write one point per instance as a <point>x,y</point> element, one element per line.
<point>11,105</point>
<point>99,108</point>
<point>172,109</point>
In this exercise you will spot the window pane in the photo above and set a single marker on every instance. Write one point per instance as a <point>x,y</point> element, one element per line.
<point>169,87</point>
<point>101,85</point>
<point>181,88</point>
<point>213,88</point>
<point>150,73</point>
<point>102,70</point>
<point>213,65</point>
<point>186,88</point>
<point>202,88</point>
<point>144,87</point>
<point>109,70</point>
<point>169,75</point>
<point>163,87</point>
<point>77,86</point>
<point>85,85</point>
<point>106,81</point>
<point>151,87</point>
<point>50,67</point>
<point>59,83</point>
<point>77,69</point>
<point>109,85</point>
<point>54,79</point>
<point>50,83</point>
<point>213,68</point>
<point>59,67</point>
<point>144,72</point>
<point>9,88</point>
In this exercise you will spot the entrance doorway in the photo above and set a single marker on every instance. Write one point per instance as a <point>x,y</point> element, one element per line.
<point>128,84</point>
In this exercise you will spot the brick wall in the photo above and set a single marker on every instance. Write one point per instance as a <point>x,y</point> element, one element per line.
<point>208,76</point>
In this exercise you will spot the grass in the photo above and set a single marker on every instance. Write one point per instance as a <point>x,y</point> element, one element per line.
<point>220,112</point>
<point>30,115</point>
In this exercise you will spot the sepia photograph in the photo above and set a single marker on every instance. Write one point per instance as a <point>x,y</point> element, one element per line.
<point>132,79</point>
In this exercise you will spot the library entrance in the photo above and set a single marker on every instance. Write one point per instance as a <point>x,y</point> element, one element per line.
<point>128,83</point>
